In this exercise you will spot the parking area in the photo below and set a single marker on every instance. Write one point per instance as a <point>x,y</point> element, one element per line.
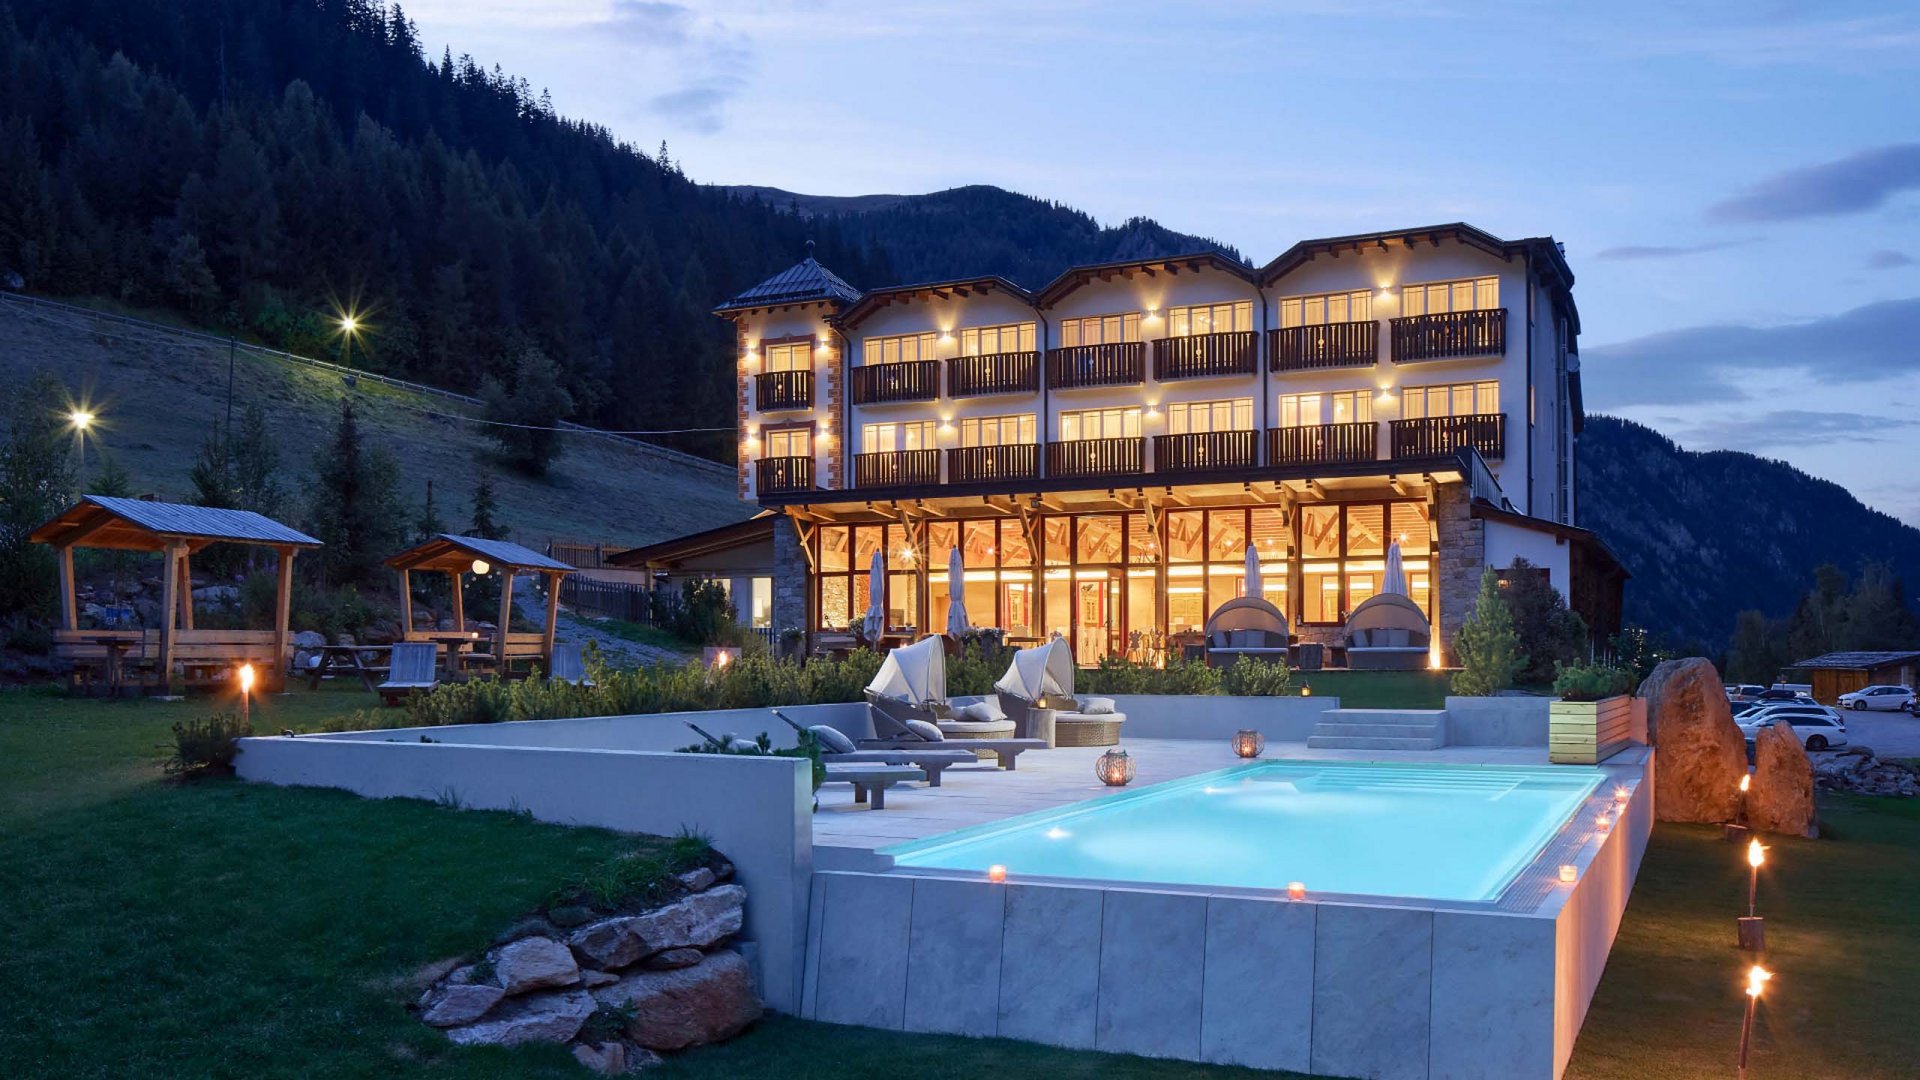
<point>1889,734</point>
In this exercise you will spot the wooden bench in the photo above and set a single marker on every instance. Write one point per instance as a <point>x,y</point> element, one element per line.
<point>870,782</point>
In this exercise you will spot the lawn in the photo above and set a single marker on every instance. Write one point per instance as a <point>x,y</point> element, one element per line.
<point>1380,689</point>
<point>161,928</point>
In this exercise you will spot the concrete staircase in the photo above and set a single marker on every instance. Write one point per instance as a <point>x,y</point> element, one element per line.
<point>1379,729</point>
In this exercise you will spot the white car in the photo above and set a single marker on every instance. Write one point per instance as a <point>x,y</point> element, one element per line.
<point>1878,699</point>
<point>1814,725</point>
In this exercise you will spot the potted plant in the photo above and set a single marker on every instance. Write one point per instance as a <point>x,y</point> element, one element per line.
<point>1593,719</point>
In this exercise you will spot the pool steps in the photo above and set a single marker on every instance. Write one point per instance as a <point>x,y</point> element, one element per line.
<point>1379,729</point>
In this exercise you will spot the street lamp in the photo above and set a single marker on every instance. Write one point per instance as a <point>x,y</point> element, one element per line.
<point>349,325</point>
<point>81,420</point>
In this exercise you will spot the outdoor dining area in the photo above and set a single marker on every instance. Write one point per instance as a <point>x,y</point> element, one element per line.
<point>459,651</point>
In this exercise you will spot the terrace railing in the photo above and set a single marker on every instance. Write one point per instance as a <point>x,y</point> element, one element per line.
<point>1097,457</point>
<point>777,475</point>
<point>897,468</point>
<point>777,390</point>
<point>912,380</point>
<point>1328,345</point>
<point>1200,355</point>
<point>1118,364</point>
<point>993,373</point>
<point>1322,444</point>
<point>1205,451</point>
<point>1441,436</point>
<point>978,464</point>
<point>1449,336</point>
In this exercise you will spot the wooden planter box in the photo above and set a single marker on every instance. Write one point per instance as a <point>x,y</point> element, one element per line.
<point>1588,732</point>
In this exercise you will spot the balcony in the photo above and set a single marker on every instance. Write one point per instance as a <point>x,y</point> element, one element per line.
<point>1204,452</point>
<point>980,464</point>
<point>779,475</point>
<point>994,373</point>
<point>1450,336</point>
<point>1097,457</point>
<point>1441,436</point>
<point>774,391</point>
<point>1198,356</point>
<point>897,468</point>
<point>1119,364</point>
<point>913,380</point>
<point>1328,345</point>
<point>1322,444</point>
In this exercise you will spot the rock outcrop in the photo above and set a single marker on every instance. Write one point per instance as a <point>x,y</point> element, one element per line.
<point>549,1017</point>
<point>1857,770</point>
<point>708,1002</point>
<point>534,962</point>
<point>1781,799</point>
<point>1700,754</point>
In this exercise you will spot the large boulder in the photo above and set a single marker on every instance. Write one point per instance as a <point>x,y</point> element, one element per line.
<point>609,943</point>
<point>554,1017</point>
<point>452,1004</point>
<point>708,1002</point>
<point>1781,800</point>
<point>309,639</point>
<point>1700,754</point>
<point>534,962</point>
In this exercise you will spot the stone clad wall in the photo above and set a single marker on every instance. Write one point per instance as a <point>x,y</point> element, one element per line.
<point>1463,554</point>
<point>791,582</point>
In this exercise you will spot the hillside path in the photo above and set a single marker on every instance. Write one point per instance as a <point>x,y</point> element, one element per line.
<point>618,651</point>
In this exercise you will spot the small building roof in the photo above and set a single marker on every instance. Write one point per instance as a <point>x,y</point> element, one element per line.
<point>804,282</point>
<point>1073,277</point>
<point>106,521</point>
<point>876,299</point>
<point>754,530</point>
<point>1857,661</point>
<point>449,552</point>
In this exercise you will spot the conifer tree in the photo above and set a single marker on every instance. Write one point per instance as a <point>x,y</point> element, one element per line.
<point>1487,645</point>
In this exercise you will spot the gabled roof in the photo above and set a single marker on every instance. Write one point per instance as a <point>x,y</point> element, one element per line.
<point>106,521</point>
<point>933,290</point>
<point>449,552</point>
<point>1076,276</point>
<point>1853,661</point>
<point>754,530</point>
<point>804,282</point>
<point>1545,248</point>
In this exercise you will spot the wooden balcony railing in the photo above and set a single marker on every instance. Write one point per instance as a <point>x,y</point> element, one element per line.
<point>897,468</point>
<point>1205,451</point>
<point>1096,457</point>
<point>1118,364</point>
<point>913,380</point>
<point>777,390</point>
<point>1328,345</point>
<point>1322,444</point>
<point>1451,335</point>
<point>994,373</point>
<point>1200,355</point>
<point>1439,436</point>
<point>775,475</point>
<point>975,464</point>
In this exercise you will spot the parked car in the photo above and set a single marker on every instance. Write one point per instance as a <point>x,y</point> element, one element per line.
<point>1878,699</point>
<point>1742,692</point>
<point>1817,726</point>
<point>1783,693</point>
<point>1744,708</point>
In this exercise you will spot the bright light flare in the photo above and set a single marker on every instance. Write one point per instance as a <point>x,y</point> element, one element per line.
<point>996,873</point>
<point>246,678</point>
<point>1757,977</point>
<point>481,567</point>
<point>81,419</point>
<point>1746,781</point>
<point>1756,855</point>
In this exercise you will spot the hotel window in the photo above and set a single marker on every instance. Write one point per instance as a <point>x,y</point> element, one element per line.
<point>1207,561</point>
<point>899,349</point>
<point>997,430</point>
<point>909,435</point>
<point>792,356</point>
<point>1100,424</point>
<point>1340,307</point>
<point>1100,330</point>
<point>1225,318</point>
<point>1344,556</point>
<point>1440,297</point>
<point>762,612</point>
<point>788,442</point>
<point>845,564</point>
<point>1342,407</point>
<point>987,340</point>
<point>1457,399</point>
<point>1200,417</point>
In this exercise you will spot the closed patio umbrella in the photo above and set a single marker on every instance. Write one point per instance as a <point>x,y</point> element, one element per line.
<point>875,623</point>
<point>1395,580</point>
<point>956,594</point>
<point>1255,587</point>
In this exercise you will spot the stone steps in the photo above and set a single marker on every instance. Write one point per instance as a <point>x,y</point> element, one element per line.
<point>1379,729</point>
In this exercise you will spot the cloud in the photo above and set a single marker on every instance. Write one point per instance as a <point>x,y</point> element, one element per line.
<point>653,20</point>
<point>1889,260</point>
<point>1799,428</point>
<point>1705,364</point>
<point>1661,251</point>
<point>711,59</point>
<point>1851,185</point>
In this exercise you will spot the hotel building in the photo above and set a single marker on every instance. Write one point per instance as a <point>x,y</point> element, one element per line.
<point>1104,449</point>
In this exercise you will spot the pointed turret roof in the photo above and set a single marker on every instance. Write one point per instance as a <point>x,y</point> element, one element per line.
<point>804,282</point>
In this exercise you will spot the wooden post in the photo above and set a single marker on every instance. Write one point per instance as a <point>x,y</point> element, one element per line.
<point>459,602</point>
<point>186,591</point>
<point>282,619</point>
<point>169,612</point>
<point>406,604</point>
<point>69,603</point>
<point>506,620</point>
<point>553,619</point>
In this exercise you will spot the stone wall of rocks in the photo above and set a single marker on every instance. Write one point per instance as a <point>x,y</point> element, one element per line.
<point>1856,769</point>
<point>619,989</point>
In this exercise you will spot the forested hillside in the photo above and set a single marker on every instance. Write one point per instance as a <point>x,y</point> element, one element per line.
<point>1708,535</point>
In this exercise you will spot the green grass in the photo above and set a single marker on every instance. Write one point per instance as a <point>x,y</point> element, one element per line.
<point>214,928</point>
<point>1380,689</point>
<point>645,634</point>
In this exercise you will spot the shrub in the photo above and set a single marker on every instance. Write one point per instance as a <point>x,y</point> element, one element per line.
<point>700,614</point>
<point>1119,675</point>
<point>806,745</point>
<point>1487,644</point>
<point>207,747</point>
<point>1252,677</point>
<point>1591,682</point>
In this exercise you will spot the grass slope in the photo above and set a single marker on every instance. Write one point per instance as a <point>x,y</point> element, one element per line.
<point>158,928</point>
<point>159,396</point>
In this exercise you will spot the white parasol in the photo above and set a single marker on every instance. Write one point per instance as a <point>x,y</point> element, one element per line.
<point>1395,580</point>
<point>956,594</point>
<point>875,623</point>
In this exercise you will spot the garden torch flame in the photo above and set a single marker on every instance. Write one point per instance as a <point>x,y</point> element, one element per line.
<point>1755,856</point>
<point>1757,977</point>
<point>1746,781</point>
<point>246,678</point>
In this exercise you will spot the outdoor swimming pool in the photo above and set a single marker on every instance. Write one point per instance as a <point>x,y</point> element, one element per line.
<point>1441,832</point>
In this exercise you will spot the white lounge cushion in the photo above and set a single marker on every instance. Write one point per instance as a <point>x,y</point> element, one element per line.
<point>986,711</point>
<point>925,730</point>
<point>832,739</point>
<point>961,730</point>
<point>1097,706</point>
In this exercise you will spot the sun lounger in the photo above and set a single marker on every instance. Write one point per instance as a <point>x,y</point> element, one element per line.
<point>871,781</point>
<point>412,671</point>
<point>923,756</point>
<point>903,737</point>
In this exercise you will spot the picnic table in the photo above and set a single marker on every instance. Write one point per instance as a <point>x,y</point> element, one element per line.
<point>349,660</point>
<point>116,646</point>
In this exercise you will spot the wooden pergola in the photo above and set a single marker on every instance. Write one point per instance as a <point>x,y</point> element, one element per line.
<point>456,555</point>
<point>176,532</point>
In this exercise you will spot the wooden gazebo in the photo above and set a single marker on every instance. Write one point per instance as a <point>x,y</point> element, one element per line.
<point>176,532</point>
<point>456,555</point>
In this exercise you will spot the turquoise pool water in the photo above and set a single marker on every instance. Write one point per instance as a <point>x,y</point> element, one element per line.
<point>1441,832</point>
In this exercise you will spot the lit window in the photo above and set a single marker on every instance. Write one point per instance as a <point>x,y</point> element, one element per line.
<point>1343,407</point>
<point>988,340</point>
<point>899,349</point>
<point>1440,297</point>
<point>997,430</point>
<point>1458,399</point>
<point>790,357</point>
<point>1200,417</point>
<point>1100,330</point>
<point>1340,307</point>
<point>1100,424</point>
<point>787,442</point>
<point>1225,318</point>
<point>885,438</point>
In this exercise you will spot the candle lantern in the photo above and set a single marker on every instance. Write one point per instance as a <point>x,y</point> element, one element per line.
<point>996,873</point>
<point>1114,768</point>
<point>1248,743</point>
<point>1306,690</point>
<point>1296,890</point>
<point>1569,873</point>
